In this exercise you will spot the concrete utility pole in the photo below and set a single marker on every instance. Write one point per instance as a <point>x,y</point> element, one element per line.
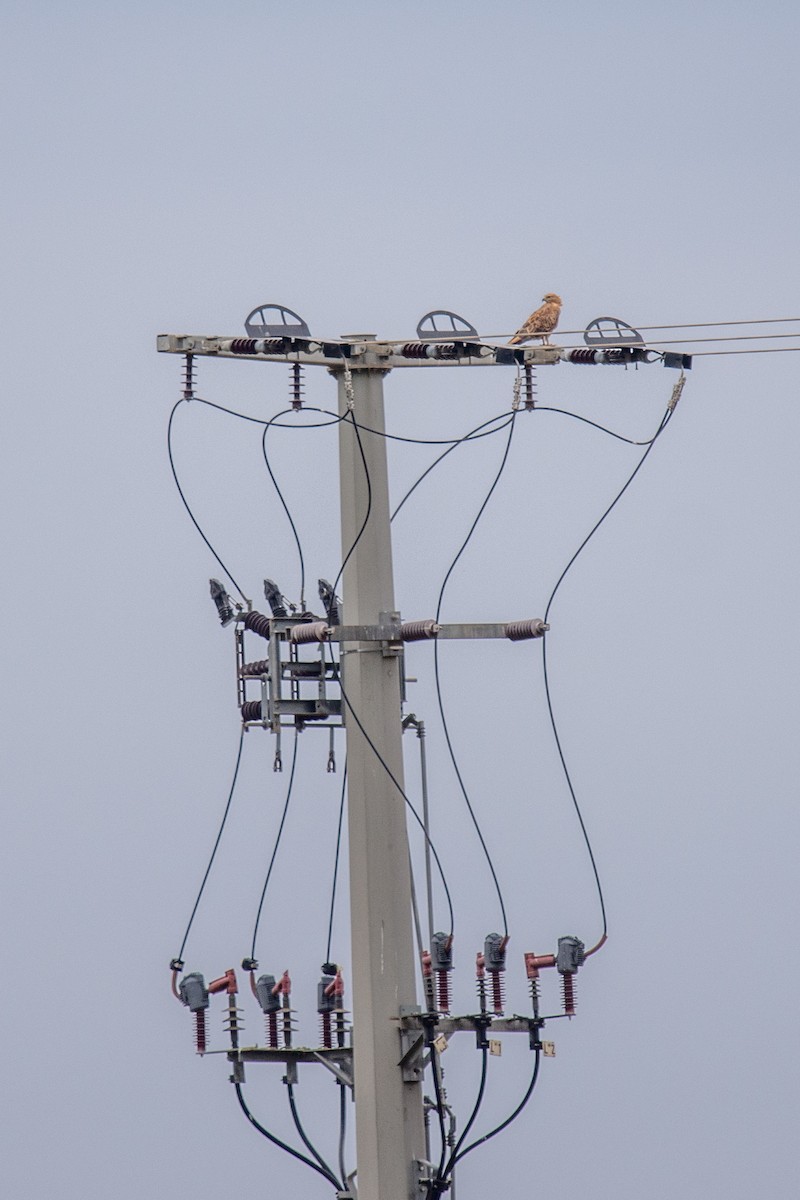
<point>390,1137</point>
<point>388,1030</point>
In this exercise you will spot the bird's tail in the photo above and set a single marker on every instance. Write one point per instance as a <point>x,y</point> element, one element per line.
<point>516,339</point>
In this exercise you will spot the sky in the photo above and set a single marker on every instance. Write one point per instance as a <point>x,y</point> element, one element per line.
<point>169,167</point>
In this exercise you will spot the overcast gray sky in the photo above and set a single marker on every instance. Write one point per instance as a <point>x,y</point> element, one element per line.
<point>167,168</point>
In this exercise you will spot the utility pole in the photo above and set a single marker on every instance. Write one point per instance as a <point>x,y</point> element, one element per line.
<point>390,1137</point>
<point>386,1061</point>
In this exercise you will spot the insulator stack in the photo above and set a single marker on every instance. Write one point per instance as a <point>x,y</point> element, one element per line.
<point>571,955</point>
<point>296,385</point>
<point>446,350</point>
<point>243,346</point>
<point>251,710</point>
<point>193,993</point>
<point>535,996</point>
<point>255,668</point>
<point>480,980</point>
<point>427,981</point>
<point>498,991</point>
<point>418,631</point>
<point>233,1022</point>
<point>310,631</point>
<point>442,962</point>
<point>518,631</point>
<point>530,387</point>
<point>583,356</point>
<point>188,377</point>
<point>326,1034</point>
<point>256,622</point>
<point>416,350</point>
<point>494,950</point>
<point>269,997</point>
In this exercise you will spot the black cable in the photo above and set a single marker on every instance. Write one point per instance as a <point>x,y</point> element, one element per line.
<point>216,843</point>
<point>476,1109</point>
<point>276,1140</point>
<point>566,413</point>
<point>338,1184</point>
<point>439,1091</point>
<point>342,1130</point>
<point>273,421</point>
<point>275,847</point>
<point>473,435</point>
<point>336,862</point>
<point>410,806</point>
<point>664,422</point>
<point>285,505</point>
<point>503,1124</point>
<point>453,759</point>
<point>368,481</point>
<point>186,502</point>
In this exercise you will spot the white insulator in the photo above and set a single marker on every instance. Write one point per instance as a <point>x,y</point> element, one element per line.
<point>311,631</point>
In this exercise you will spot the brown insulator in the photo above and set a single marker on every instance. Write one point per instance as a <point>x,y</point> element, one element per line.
<point>582,356</point>
<point>518,631</point>
<point>255,668</point>
<point>414,350</point>
<point>257,623</point>
<point>325,1030</point>
<point>200,1030</point>
<point>568,994</point>
<point>251,710</point>
<point>443,991</point>
<point>418,631</point>
<point>310,631</point>
<point>498,991</point>
<point>243,346</point>
<point>272,1030</point>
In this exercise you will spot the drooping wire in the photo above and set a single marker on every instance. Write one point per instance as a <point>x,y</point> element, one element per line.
<point>440,702</point>
<point>473,435</point>
<point>408,803</point>
<point>275,847</point>
<point>285,507</point>
<point>338,1184</point>
<point>662,426</point>
<point>336,862</point>
<point>576,416</point>
<point>367,514</point>
<point>186,502</point>
<point>277,1141</point>
<point>216,843</point>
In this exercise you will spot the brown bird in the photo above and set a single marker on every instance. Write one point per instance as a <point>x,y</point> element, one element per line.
<point>540,323</point>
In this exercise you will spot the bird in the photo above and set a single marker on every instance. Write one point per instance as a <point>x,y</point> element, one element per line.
<point>541,322</point>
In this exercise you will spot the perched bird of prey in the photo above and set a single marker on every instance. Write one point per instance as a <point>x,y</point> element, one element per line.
<point>540,323</point>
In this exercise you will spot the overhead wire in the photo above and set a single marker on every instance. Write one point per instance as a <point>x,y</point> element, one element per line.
<point>440,702</point>
<point>336,862</point>
<point>216,844</point>
<point>285,507</point>
<point>404,795</point>
<point>662,426</point>
<point>186,505</point>
<point>276,845</point>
